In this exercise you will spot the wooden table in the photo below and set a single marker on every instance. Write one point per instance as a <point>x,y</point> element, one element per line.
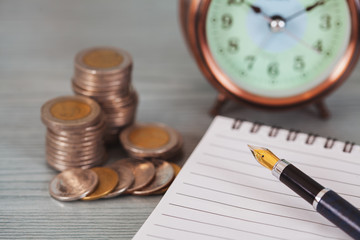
<point>38,42</point>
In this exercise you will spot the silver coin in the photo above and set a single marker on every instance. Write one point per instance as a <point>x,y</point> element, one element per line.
<point>126,178</point>
<point>164,175</point>
<point>144,172</point>
<point>73,184</point>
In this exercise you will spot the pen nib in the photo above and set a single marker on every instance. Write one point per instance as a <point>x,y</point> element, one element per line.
<point>264,156</point>
<point>252,149</point>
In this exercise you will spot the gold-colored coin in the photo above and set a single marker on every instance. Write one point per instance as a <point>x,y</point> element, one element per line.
<point>70,110</point>
<point>176,170</point>
<point>108,180</point>
<point>102,58</point>
<point>149,137</point>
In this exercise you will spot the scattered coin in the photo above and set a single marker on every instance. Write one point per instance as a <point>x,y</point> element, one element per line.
<point>153,140</point>
<point>163,177</point>
<point>108,179</point>
<point>104,74</point>
<point>73,184</point>
<point>144,172</point>
<point>176,171</point>
<point>126,178</point>
<point>75,132</point>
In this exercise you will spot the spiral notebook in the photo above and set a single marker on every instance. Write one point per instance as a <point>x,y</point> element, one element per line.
<point>223,193</point>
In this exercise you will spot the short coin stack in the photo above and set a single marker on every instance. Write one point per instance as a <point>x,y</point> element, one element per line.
<point>104,74</point>
<point>125,176</point>
<point>75,131</point>
<point>154,140</point>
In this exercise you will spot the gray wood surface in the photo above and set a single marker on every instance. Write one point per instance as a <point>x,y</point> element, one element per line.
<point>38,40</point>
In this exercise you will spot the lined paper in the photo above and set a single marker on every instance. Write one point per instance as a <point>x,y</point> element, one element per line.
<point>223,193</point>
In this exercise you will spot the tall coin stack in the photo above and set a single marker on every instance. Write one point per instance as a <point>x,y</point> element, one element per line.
<point>75,132</point>
<point>104,74</point>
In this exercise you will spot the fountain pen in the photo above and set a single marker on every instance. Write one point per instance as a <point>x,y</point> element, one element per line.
<point>325,201</point>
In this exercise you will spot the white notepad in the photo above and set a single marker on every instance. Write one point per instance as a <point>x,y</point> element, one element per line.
<point>223,193</point>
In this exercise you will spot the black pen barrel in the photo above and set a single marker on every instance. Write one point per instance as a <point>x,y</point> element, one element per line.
<point>299,182</point>
<point>325,201</point>
<point>340,212</point>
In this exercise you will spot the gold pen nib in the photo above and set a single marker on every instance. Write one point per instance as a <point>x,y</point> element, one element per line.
<point>264,156</point>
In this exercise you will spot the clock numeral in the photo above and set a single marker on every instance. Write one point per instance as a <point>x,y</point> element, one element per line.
<point>325,22</point>
<point>273,69</point>
<point>318,45</point>
<point>235,2</point>
<point>338,23</point>
<point>250,61</point>
<point>226,21</point>
<point>233,45</point>
<point>299,63</point>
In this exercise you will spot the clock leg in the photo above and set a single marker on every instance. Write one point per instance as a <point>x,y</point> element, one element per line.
<point>322,109</point>
<point>219,103</point>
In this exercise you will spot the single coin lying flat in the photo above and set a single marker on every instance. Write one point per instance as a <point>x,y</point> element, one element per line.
<point>163,177</point>
<point>73,184</point>
<point>176,172</point>
<point>108,179</point>
<point>126,178</point>
<point>144,172</point>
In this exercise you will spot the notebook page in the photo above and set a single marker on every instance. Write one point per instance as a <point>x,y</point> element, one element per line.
<point>223,193</point>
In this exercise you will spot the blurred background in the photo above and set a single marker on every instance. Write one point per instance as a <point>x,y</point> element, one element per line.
<point>38,42</point>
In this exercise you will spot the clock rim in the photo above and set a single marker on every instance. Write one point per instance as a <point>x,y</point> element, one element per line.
<point>193,20</point>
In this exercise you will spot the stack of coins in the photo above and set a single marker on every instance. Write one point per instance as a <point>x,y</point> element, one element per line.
<point>147,141</point>
<point>75,132</point>
<point>125,176</point>
<point>104,74</point>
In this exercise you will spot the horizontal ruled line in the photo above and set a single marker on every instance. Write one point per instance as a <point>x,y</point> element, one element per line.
<point>193,232</point>
<point>235,171</point>
<point>253,210</point>
<point>248,220</point>
<point>244,185</point>
<point>221,226</point>
<point>337,181</point>
<point>250,198</point>
<point>253,163</point>
<point>159,237</point>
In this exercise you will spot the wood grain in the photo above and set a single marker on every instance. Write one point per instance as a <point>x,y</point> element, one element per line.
<point>39,40</point>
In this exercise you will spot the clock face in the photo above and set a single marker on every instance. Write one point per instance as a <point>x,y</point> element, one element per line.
<point>278,48</point>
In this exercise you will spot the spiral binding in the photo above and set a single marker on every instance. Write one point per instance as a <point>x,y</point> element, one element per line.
<point>292,135</point>
<point>311,138</point>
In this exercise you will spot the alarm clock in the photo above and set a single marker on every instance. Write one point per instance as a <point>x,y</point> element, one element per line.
<point>273,54</point>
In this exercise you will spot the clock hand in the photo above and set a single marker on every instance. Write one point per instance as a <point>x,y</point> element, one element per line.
<point>305,44</point>
<point>307,9</point>
<point>258,10</point>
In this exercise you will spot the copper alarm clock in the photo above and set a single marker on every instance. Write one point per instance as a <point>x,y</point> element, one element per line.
<point>273,54</point>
